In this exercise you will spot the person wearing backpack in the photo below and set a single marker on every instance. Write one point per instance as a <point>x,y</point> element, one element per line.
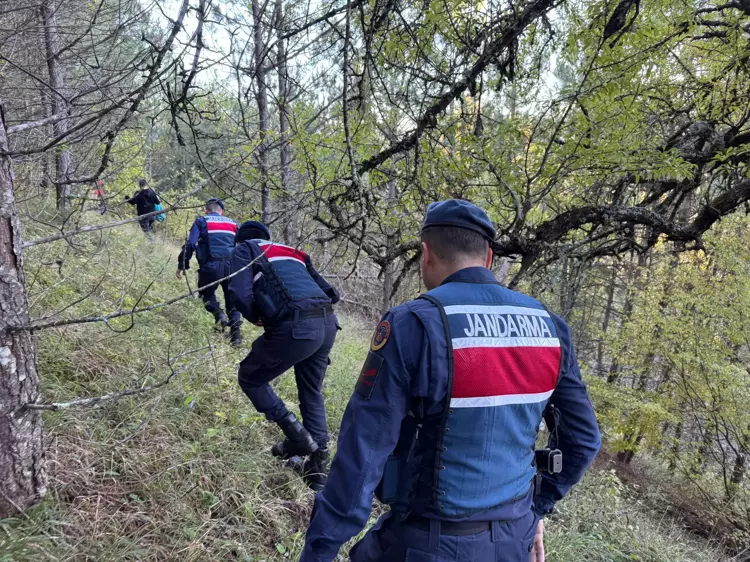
<point>145,201</point>
<point>277,287</point>
<point>211,238</point>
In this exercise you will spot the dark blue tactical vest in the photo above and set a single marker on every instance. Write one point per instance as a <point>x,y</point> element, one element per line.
<point>500,354</point>
<point>217,239</point>
<point>282,279</point>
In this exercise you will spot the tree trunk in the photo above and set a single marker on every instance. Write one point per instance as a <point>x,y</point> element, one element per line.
<point>261,97</point>
<point>391,241</point>
<point>675,452</point>
<point>626,457</point>
<point>701,458</point>
<point>46,183</point>
<point>564,284</point>
<point>738,475</point>
<point>23,474</point>
<point>570,284</point>
<point>632,286</point>
<point>58,102</point>
<point>285,152</point>
<point>605,320</point>
<point>627,311</point>
<point>502,273</point>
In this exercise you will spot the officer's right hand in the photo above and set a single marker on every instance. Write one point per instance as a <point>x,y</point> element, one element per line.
<point>179,274</point>
<point>537,554</point>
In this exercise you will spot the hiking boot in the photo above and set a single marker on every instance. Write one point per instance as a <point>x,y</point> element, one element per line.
<point>315,470</point>
<point>221,321</point>
<point>298,441</point>
<point>297,464</point>
<point>235,336</point>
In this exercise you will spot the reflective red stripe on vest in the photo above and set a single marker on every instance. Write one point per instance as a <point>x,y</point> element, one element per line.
<point>275,252</point>
<point>502,355</point>
<point>214,227</point>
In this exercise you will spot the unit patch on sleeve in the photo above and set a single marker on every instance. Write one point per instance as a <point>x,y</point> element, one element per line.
<point>369,375</point>
<point>380,337</point>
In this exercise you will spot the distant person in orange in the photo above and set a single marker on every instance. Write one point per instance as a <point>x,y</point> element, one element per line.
<point>99,194</point>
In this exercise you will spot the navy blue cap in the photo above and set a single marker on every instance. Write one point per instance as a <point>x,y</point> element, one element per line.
<point>216,200</point>
<point>253,230</point>
<point>461,214</point>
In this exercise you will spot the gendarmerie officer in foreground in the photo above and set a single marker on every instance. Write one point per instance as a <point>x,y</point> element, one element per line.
<point>444,417</point>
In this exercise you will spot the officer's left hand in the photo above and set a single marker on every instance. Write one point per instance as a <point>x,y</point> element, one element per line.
<point>179,274</point>
<point>537,554</point>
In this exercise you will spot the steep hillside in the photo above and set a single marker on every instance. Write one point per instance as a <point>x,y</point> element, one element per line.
<point>183,472</point>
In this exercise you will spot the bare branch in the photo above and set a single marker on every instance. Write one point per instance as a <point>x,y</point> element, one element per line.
<point>321,19</point>
<point>88,402</point>
<point>41,323</point>
<point>40,123</point>
<point>428,120</point>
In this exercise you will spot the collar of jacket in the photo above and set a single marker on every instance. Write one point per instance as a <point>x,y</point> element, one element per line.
<point>471,275</point>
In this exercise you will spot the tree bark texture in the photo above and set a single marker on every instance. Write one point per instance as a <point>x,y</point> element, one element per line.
<point>285,152</point>
<point>738,475</point>
<point>23,474</point>
<point>261,97</point>
<point>57,98</point>
<point>389,267</point>
<point>605,320</point>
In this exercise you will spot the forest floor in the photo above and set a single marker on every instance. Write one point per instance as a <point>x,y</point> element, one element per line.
<point>184,472</point>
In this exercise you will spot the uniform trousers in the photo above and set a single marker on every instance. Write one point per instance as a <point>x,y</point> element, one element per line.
<point>302,343</point>
<point>393,541</point>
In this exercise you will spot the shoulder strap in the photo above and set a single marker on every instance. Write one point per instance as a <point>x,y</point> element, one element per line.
<point>448,393</point>
<point>202,224</point>
<point>448,339</point>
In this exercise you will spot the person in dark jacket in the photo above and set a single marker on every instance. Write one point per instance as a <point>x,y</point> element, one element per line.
<point>443,420</point>
<point>277,286</point>
<point>211,238</point>
<point>145,201</point>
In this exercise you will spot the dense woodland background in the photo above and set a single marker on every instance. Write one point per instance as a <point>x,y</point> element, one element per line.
<point>609,142</point>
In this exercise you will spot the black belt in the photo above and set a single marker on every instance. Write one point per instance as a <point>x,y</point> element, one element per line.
<point>313,312</point>
<point>451,528</point>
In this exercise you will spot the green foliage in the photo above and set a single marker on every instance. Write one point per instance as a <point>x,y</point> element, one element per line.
<point>602,521</point>
<point>679,385</point>
<point>633,418</point>
<point>688,326</point>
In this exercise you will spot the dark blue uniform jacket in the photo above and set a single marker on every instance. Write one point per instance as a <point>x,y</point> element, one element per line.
<point>405,374</point>
<point>211,237</point>
<point>275,280</point>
